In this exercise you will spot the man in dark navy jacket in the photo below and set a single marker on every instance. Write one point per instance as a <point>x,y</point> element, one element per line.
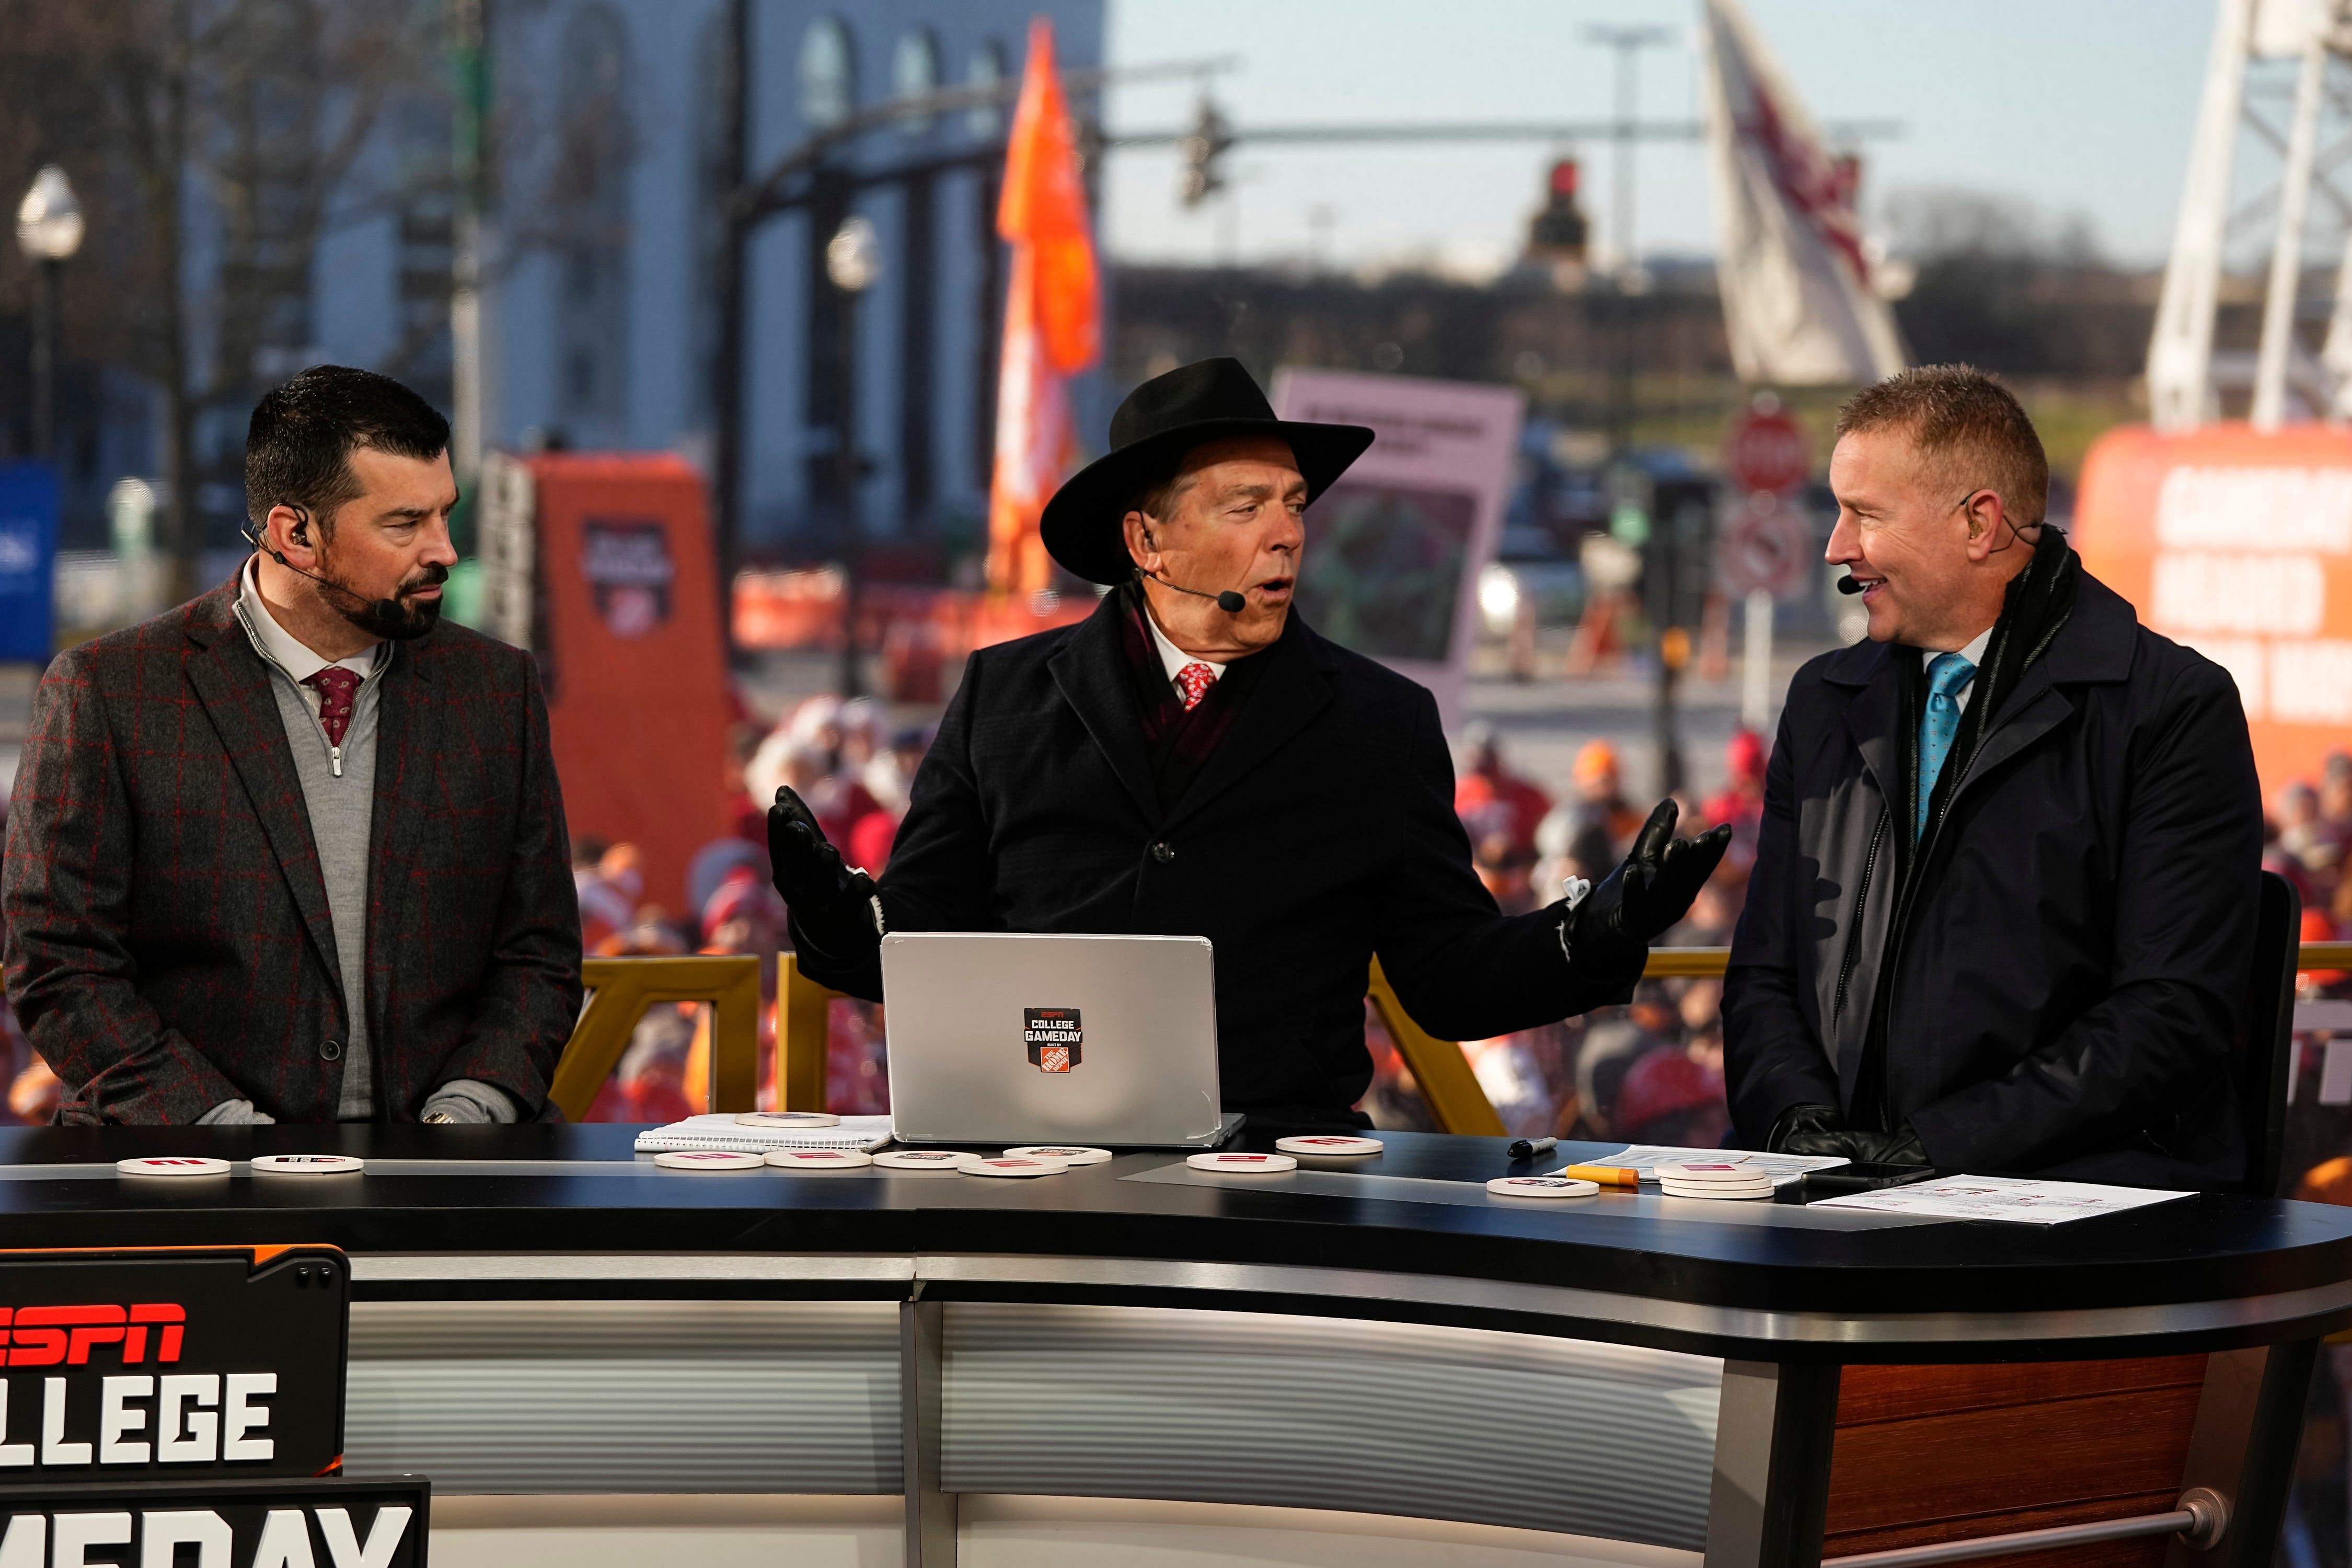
<point>2002,914</point>
<point>1192,760</point>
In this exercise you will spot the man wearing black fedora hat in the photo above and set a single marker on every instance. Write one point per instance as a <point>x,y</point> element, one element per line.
<point>1192,760</point>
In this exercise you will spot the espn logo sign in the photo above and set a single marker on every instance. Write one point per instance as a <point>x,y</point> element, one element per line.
<point>65,1336</point>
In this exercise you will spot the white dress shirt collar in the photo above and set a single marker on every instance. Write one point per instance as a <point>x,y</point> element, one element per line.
<point>1974,653</point>
<point>282,646</point>
<point>1173,658</point>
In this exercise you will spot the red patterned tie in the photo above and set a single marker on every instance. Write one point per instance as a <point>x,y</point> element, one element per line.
<point>1194,680</point>
<point>336,687</point>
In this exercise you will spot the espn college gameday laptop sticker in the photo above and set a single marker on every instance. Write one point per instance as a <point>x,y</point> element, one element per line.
<point>1053,1037</point>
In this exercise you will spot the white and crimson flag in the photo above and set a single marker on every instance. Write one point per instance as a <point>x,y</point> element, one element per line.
<point>1797,295</point>
<point>1052,326</point>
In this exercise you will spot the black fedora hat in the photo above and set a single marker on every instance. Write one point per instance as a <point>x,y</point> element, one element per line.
<point>1159,423</point>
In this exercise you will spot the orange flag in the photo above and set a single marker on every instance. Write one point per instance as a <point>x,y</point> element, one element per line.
<point>1053,320</point>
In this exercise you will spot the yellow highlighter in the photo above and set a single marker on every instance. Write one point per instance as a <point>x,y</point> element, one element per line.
<point>1606,1176</point>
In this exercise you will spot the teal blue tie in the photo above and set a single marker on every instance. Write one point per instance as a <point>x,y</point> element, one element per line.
<point>1947,673</point>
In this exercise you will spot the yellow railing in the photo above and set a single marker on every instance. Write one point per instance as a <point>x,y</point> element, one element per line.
<point>621,989</point>
<point>1439,1066</point>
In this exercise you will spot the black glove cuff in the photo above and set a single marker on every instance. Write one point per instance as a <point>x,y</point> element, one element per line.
<point>1806,1118</point>
<point>1600,951</point>
<point>846,930</point>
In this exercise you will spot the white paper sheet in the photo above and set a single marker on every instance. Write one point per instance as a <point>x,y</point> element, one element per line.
<point>719,1129</point>
<point>2014,1199</point>
<point>1782,1168</point>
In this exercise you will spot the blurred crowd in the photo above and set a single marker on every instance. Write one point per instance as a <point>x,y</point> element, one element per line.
<point>855,772</point>
<point>2308,840</point>
<point>1650,1072</point>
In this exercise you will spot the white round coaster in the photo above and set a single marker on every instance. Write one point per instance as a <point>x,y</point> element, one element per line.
<point>306,1164</point>
<point>706,1160</point>
<point>1245,1164</point>
<point>1542,1187</point>
<point>1737,1175</point>
<point>787,1119</point>
<point>1329,1144</point>
<point>171,1165</point>
<point>923,1159</point>
<point>818,1159</point>
<point>1069,1153</point>
<point>1015,1166</point>
<point>1716,1193</point>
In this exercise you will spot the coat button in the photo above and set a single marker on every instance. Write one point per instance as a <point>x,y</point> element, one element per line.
<point>332,1051</point>
<point>1163,852</point>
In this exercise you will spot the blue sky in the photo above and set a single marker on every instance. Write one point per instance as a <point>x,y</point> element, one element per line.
<point>2081,107</point>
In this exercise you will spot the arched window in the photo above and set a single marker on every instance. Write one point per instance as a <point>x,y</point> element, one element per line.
<point>591,201</point>
<point>986,70</point>
<point>915,73</point>
<point>828,74</point>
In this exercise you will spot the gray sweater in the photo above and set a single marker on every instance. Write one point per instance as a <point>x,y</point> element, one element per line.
<point>339,788</point>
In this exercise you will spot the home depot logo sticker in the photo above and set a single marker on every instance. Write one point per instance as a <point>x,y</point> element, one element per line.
<point>1053,1037</point>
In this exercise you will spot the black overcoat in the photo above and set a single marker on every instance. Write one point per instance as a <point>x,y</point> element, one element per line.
<point>1320,831</point>
<point>2068,986</point>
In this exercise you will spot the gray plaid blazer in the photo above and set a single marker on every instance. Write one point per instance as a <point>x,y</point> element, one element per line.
<point>167,943</point>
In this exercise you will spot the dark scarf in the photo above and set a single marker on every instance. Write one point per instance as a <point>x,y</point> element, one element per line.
<point>2037,604</point>
<point>1181,743</point>
<point>2037,601</point>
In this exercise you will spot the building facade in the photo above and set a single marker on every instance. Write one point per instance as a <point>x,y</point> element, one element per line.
<point>606,159</point>
<point>602,317</point>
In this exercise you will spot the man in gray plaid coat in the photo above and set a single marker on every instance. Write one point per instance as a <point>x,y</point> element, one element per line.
<point>294,851</point>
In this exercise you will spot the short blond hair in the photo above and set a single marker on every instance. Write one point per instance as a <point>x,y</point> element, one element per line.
<point>1967,426</point>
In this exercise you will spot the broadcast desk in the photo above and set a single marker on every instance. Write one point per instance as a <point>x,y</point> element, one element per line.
<point>1365,1363</point>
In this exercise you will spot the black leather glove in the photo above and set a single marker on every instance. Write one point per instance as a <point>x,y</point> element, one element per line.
<point>1814,1129</point>
<point>1805,1119</point>
<point>1644,898</point>
<point>835,907</point>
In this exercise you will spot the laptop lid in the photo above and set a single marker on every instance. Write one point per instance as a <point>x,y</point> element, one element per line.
<point>1009,1038</point>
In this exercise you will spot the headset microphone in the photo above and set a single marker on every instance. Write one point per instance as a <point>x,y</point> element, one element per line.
<point>384,617</point>
<point>1848,585</point>
<point>1233,604</point>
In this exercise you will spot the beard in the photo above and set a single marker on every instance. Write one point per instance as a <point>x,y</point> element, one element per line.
<point>400,618</point>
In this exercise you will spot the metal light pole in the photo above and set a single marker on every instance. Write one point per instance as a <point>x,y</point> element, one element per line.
<point>852,264</point>
<point>48,230</point>
<point>730,302</point>
<point>468,393</point>
<point>1624,129</point>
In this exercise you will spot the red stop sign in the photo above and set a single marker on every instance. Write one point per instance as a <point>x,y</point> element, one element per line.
<point>1766,451</point>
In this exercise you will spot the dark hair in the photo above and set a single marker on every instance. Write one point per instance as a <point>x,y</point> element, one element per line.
<point>1966,425</point>
<point>299,447</point>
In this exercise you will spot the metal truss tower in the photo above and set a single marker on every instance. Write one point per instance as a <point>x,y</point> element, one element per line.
<point>2185,375</point>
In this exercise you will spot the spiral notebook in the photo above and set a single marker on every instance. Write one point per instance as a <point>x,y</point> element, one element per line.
<point>719,1129</point>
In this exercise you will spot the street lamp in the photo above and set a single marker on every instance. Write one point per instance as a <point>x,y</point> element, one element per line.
<point>48,231</point>
<point>852,264</point>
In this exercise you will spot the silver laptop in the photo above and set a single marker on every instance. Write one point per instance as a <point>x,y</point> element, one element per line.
<point>1007,1039</point>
